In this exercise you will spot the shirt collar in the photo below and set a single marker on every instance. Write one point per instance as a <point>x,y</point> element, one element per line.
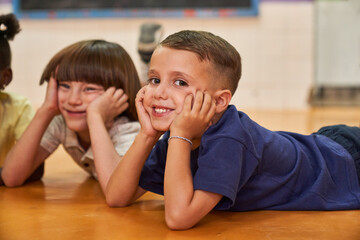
<point>71,141</point>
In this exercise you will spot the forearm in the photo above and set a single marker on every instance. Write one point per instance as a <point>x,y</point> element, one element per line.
<point>123,186</point>
<point>178,180</point>
<point>105,155</point>
<point>21,161</point>
<point>184,206</point>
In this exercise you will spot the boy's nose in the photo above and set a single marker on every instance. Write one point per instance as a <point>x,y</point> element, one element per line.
<point>161,91</point>
<point>74,98</point>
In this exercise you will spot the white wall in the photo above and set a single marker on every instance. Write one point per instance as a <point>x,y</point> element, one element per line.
<point>276,48</point>
<point>337,43</point>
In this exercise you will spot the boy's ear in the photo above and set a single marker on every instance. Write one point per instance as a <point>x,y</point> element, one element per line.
<point>222,98</point>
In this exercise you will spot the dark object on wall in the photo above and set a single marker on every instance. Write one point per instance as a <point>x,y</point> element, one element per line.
<point>335,96</point>
<point>134,8</point>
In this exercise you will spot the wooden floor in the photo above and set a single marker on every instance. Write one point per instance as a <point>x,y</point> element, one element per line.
<point>67,204</point>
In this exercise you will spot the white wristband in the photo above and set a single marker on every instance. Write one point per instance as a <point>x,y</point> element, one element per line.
<point>182,138</point>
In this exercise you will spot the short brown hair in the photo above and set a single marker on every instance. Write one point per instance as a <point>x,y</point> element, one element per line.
<point>224,57</point>
<point>99,62</point>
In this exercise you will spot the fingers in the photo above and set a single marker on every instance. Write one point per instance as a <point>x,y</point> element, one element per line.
<point>112,103</point>
<point>52,80</point>
<point>140,94</point>
<point>198,101</point>
<point>110,91</point>
<point>52,83</point>
<point>51,91</point>
<point>208,107</point>
<point>198,114</point>
<point>187,103</point>
<point>117,95</point>
<point>139,100</point>
<point>121,97</point>
<point>204,105</point>
<point>51,98</point>
<point>123,107</point>
<point>121,100</point>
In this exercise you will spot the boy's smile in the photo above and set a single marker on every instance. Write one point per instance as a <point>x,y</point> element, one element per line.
<point>173,74</point>
<point>161,111</point>
<point>74,98</point>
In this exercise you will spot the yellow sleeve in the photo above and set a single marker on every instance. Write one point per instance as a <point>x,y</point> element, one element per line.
<point>26,114</point>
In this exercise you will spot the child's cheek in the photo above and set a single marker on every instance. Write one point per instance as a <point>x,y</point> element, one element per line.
<point>90,99</point>
<point>96,96</point>
<point>179,109</point>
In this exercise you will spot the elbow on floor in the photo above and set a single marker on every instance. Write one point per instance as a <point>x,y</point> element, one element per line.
<point>178,222</point>
<point>115,203</point>
<point>12,182</point>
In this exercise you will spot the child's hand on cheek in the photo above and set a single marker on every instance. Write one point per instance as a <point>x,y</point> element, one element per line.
<point>144,118</point>
<point>193,121</point>
<point>109,105</point>
<point>51,99</point>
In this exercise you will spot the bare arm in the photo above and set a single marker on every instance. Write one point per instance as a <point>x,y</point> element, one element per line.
<point>101,113</point>
<point>184,207</point>
<point>122,187</point>
<point>27,154</point>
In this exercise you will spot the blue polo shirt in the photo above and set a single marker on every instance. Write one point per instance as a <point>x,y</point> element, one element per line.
<point>255,168</point>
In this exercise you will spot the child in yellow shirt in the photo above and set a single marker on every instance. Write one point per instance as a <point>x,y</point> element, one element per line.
<point>15,110</point>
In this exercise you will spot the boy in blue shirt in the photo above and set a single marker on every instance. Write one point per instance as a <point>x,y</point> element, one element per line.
<point>215,157</point>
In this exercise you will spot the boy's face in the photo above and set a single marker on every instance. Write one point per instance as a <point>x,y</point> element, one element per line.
<point>173,74</point>
<point>73,99</point>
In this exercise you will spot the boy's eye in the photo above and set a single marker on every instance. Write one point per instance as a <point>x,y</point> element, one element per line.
<point>93,88</point>
<point>64,85</point>
<point>90,89</point>
<point>154,80</point>
<point>180,83</point>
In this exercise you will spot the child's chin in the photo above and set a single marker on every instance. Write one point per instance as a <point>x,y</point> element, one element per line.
<point>77,126</point>
<point>160,128</point>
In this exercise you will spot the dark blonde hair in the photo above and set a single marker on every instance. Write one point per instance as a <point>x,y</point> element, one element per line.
<point>223,56</point>
<point>99,62</point>
<point>11,27</point>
